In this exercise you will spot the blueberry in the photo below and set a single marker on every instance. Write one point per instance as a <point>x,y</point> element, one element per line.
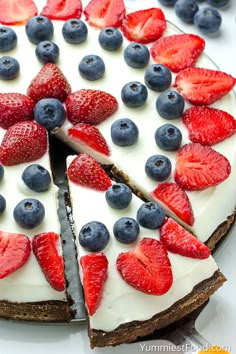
<point>150,215</point>
<point>170,104</point>
<point>47,52</point>
<point>118,196</point>
<point>74,31</point>
<point>186,9</point>
<point>50,113</point>
<point>29,213</point>
<point>110,38</point>
<point>124,132</point>
<point>2,204</point>
<point>1,172</point>
<point>168,2</point>
<point>136,55</point>
<point>9,68</point>
<point>157,77</point>
<point>218,3</point>
<point>8,39</point>
<point>134,94</point>
<point>126,230</point>
<point>208,20</point>
<point>158,167</point>
<point>92,67</point>
<point>168,137</point>
<point>37,178</point>
<point>94,236</point>
<point>38,29</point>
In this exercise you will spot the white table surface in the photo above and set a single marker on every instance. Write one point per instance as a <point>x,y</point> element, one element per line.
<point>217,322</point>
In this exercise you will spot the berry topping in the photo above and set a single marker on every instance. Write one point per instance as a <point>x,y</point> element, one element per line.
<point>168,137</point>
<point>90,106</point>
<point>14,252</point>
<point>136,55</point>
<point>2,204</point>
<point>176,199</point>
<point>94,275</point>
<point>134,94</point>
<point>168,2</point>
<point>29,213</point>
<point>147,268</point>
<point>199,167</point>
<point>157,77</point>
<point>8,38</point>
<point>110,38</point>
<point>51,263</point>
<point>158,167</point>
<point>208,20</point>
<point>150,215</point>
<point>94,236</point>
<point>47,52</point>
<point>16,12</point>
<point>106,13</point>
<point>186,9</point>
<point>126,230</point>
<point>38,29</point>
<point>218,3</point>
<point>74,31</point>
<point>62,9</point>
<point>9,68</point>
<point>171,52</point>
<point>118,196</point>
<point>91,136</point>
<point>91,67</point>
<point>23,142</point>
<point>85,171</point>
<point>124,132</point>
<point>50,113</point>
<point>203,86</point>
<point>1,172</point>
<point>37,178</point>
<point>14,108</point>
<point>170,104</point>
<point>144,26</point>
<point>178,240</point>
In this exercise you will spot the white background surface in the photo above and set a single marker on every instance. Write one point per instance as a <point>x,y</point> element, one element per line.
<point>217,322</point>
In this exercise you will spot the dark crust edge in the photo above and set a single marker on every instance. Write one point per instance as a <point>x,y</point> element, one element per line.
<point>131,331</point>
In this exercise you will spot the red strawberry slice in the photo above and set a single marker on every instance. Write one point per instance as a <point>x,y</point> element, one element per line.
<point>147,268</point>
<point>198,167</point>
<point>144,26</point>
<point>94,269</point>
<point>14,252</point>
<point>203,86</point>
<point>208,126</point>
<point>49,82</point>
<point>106,13</point>
<point>16,12</point>
<point>171,51</point>
<point>14,108</point>
<point>85,171</point>
<point>176,199</point>
<point>23,142</point>
<point>51,263</point>
<point>90,106</point>
<point>90,135</point>
<point>178,240</point>
<point>62,9</point>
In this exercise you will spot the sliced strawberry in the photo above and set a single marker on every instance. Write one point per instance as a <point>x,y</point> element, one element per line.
<point>14,108</point>
<point>16,12</point>
<point>176,199</point>
<point>94,270</point>
<point>144,26</point>
<point>147,268</point>
<point>14,252</point>
<point>62,9</point>
<point>198,167</point>
<point>85,171</point>
<point>49,82</point>
<point>178,240</point>
<point>90,106</point>
<point>207,125</point>
<point>23,142</point>
<point>203,86</point>
<point>106,13</point>
<point>51,263</point>
<point>90,135</point>
<point>171,52</point>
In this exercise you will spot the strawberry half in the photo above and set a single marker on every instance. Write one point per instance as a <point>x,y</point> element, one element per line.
<point>16,12</point>
<point>23,142</point>
<point>51,263</point>
<point>90,106</point>
<point>147,268</point>
<point>14,252</point>
<point>208,126</point>
<point>49,82</point>
<point>94,270</point>
<point>144,26</point>
<point>199,167</point>
<point>178,240</point>
<point>85,171</point>
<point>90,135</point>
<point>62,9</point>
<point>176,199</point>
<point>14,108</point>
<point>171,52</point>
<point>203,86</point>
<point>106,13</point>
